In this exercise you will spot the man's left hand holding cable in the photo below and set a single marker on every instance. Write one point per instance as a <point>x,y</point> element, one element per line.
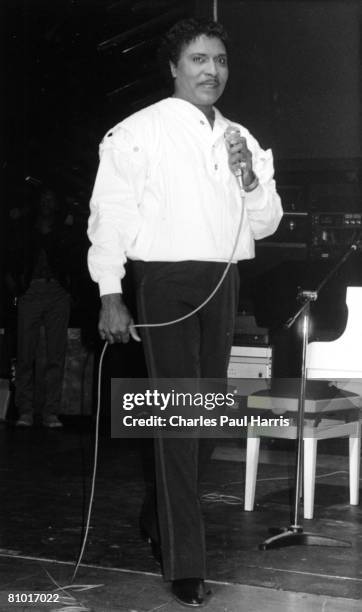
<point>115,321</point>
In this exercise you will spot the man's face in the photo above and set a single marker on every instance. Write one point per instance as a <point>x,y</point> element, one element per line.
<point>201,72</point>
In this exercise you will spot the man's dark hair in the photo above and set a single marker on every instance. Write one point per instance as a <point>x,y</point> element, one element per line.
<point>186,31</point>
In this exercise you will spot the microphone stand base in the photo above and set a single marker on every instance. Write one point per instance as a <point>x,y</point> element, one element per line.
<point>294,536</point>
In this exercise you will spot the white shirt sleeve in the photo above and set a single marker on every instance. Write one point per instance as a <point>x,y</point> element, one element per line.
<point>115,219</point>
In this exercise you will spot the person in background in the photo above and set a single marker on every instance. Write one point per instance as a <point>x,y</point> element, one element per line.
<point>166,197</point>
<point>41,285</point>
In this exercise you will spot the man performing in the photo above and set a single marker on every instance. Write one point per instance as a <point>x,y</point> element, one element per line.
<point>166,197</point>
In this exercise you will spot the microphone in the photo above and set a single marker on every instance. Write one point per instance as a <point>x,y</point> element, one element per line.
<point>232,136</point>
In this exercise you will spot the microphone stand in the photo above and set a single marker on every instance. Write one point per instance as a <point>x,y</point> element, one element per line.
<point>294,534</point>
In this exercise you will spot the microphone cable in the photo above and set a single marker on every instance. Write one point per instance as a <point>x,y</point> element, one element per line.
<point>139,325</point>
<point>216,288</point>
<point>230,133</point>
<point>95,464</point>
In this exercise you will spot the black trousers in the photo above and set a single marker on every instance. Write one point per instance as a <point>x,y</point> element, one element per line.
<point>48,304</point>
<point>198,347</point>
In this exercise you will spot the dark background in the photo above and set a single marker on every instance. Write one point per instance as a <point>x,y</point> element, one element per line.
<point>73,68</point>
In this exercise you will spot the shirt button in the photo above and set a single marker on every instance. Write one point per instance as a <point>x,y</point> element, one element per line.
<point>216,166</point>
<point>202,122</point>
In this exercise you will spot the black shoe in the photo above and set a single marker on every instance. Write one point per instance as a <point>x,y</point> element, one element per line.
<point>190,591</point>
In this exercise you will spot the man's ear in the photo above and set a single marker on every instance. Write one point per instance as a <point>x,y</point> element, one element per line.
<point>173,69</point>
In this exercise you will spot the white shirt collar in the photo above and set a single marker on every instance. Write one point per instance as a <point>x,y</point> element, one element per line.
<point>194,112</point>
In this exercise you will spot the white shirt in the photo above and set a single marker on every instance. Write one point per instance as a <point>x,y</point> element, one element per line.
<point>164,192</point>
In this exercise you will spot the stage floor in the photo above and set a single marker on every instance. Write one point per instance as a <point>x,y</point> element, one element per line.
<point>45,487</point>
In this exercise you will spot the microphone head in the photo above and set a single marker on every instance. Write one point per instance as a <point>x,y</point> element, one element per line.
<point>232,135</point>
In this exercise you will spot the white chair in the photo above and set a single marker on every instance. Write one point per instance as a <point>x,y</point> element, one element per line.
<point>326,416</point>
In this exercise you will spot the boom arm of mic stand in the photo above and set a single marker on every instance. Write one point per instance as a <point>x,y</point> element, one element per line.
<point>311,296</point>
<point>306,297</point>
